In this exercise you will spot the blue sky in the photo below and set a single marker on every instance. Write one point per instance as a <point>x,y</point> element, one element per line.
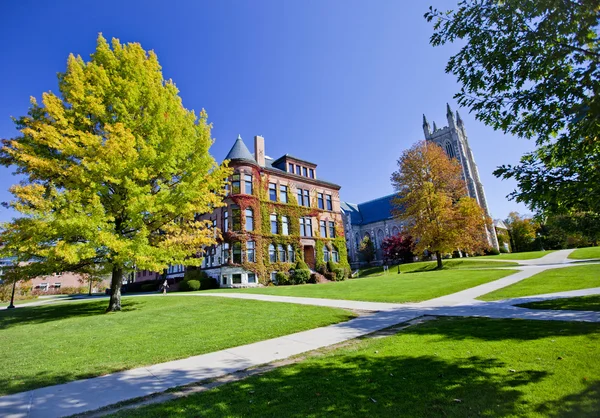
<point>341,83</point>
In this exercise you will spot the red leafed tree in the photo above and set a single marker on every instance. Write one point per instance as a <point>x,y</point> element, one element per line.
<point>398,248</point>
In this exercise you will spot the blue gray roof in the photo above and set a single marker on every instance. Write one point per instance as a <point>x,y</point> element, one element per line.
<point>240,151</point>
<point>368,212</point>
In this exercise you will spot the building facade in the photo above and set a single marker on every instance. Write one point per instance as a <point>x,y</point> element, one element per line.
<point>276,212</point>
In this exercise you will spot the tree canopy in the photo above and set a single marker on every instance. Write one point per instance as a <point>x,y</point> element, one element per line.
<point>433,203</point>
<point>115,171</point>
<point>531,68</point>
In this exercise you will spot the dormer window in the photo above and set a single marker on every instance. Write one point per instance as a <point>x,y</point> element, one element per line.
<point>291,168</point>
<point>298,170</point>
<point>311,173</point>
<point>304,171</point>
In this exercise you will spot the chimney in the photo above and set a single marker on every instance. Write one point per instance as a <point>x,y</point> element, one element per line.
<point>259,150</point>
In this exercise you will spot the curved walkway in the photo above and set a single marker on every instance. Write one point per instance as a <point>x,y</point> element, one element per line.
<point>87,395</point>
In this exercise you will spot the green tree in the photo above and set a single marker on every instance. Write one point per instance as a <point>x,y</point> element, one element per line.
<point>433,204</point>
<point>531,68</point>
<point>367,249</point>
<point>115,171</point>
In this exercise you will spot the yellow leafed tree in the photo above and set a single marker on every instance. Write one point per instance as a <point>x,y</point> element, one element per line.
<point>433,203</point>
<point>115,171</point>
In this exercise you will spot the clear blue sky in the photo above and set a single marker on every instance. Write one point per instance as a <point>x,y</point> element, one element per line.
<point>341,83</point>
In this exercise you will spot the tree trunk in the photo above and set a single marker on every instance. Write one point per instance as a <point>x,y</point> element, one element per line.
<point>115,290</point>
<point>438,257</point>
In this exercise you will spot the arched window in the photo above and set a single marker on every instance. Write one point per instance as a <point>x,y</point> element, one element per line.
<point>249,219</point>
<point>226,221</point>
<point>380,237</point>
<point>272,254</point>
<point>325,254</point>
<point>357,241</point>
<point>282,253</point>
<point>335,257</point>
<point>395,231</point>
<point>450,150</point>
<point>291,254</point>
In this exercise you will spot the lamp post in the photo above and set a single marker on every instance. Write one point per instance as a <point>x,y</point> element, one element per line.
<point>398,263</point>
<point>12,297</point>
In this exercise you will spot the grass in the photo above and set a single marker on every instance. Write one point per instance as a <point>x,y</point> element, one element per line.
<point>391,287</point>
<point>444,368</point>
<point>550,281</point>
<point>450,264</point>
<point>48,345</point>
<point>530,255</point>
<point>585,253</point>
<point>582,303</point>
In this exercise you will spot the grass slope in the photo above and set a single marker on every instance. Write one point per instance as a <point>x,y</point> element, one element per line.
<point>450,264</point>
<point>583,303</point>
<point>550,281</point>
<point>585,253</point>
<point>391,287</point>
<point>54,344</point>
<point>443,368</point>
<point>530,255</point>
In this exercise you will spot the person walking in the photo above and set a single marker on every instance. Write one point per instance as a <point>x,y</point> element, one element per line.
<point>164,287</point>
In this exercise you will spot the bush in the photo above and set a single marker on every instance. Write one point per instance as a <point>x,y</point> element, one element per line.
<point>503,250</point>
<point>491,251</point>
<point>189,285</point>
<point>339,274</point>
<point>282,278</point>
<point>301,265</point>
<point>195,275</point>
<point>301,276</point>
<point>149,287</point>
<point>331,266</point>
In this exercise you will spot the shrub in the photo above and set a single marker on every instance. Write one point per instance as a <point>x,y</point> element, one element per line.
<point>301,276</point>
<point>491,251</point>
<point>189,285</point>
<point>329,276</point>
<point>331,266</point>
<point>195,275</point>
<point>301,265</point>
<point>149,287</point>
<point>339,274</point>
<point>282,278</point>
<point>503,250</point>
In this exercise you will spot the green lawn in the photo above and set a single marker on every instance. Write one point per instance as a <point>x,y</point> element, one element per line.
<point>583,303</point>
<point>443,368</point>
<point>53,344</point>
<point>450,264</point>
<point>391,287</point>
<point>530,255</point>
<point>550,281</point>
<point>585,253</point>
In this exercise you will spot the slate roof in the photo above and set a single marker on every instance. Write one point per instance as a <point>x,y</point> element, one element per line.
<point>240,151</point>
<point>368,212</point>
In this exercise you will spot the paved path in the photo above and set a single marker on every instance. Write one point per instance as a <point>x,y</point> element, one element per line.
<point>90,394</point>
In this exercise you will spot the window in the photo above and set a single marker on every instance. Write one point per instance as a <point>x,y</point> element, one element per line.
<point>320,201</point>
<point>272,192</point>
<point>323,229</point>
<point>236,278</point>
<point>274,277</point>
<point>291,170</point>
<point>298,169</point>
<point>272,255</point>
<point>251,278</point>
<point>236,217</point>
<point>304,172</point>
<point>331,229</point>
<point>300,197</point>
<point>226,253</point>
<point>225,221</point>
<point>291,254</point>
<point>328,200</point>
<point>235,184</point>
<point>302,227</point>
<point>237,253</point>
<point>306,198</point>
<point>282,253</point>
<point>247,184</point>
<point>335,256</point>
<point>224,280</point>
<point>249,219</point>
<point>283,194</point>
<point>285,225</point>
<point>250,251</point>
<point>309,227</point>
<point>214,227</point>
<point>273,219</point>
<point>325,254</point>
<point>306,227</point>
<point>57,285</point>
<point>450,150</point>
<point>311,173</point>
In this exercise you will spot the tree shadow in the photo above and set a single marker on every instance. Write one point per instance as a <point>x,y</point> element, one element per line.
<point>578,303</point>
<point>489,329</point>
<point>583,404</point>
<point>55,312</point>
<point>358,385</point>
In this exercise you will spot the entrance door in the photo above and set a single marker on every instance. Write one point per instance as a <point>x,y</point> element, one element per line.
<point>309,256</point>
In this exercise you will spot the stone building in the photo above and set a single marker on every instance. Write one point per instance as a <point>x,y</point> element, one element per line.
<point>276,212</point>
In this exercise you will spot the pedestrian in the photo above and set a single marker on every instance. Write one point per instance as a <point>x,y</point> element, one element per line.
<point>164,287</point>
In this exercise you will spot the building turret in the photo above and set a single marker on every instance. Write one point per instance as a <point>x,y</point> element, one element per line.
<point>450,116</point>
<point>426,129</point>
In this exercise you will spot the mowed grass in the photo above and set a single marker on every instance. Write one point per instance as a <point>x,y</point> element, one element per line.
<point>582,303</point>
<point>550,281</point>
<point>530,255</point>
<point>391,287</point>
<point>443,368</point>
<point>53,344</point>
<point>450,264</point>
<point>585,253</point>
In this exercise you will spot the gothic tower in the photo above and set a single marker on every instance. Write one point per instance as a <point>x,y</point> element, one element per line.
<point>453,139</point>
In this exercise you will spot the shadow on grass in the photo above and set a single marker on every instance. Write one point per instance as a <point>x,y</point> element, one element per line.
<point>581,303</point>
<point>503,329</point>
<point>358,385</point>
<point>583,404</point>
<point>47,313</point>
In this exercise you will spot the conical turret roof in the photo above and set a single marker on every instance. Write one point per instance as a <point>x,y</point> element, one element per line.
<point>240,151</point>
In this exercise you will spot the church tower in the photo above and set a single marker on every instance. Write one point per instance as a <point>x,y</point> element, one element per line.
<point>453,139</point>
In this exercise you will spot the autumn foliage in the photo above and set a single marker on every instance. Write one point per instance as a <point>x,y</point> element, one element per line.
<point>432,201</point>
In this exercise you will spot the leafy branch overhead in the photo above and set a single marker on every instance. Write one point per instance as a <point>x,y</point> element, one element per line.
<point>531,68</point>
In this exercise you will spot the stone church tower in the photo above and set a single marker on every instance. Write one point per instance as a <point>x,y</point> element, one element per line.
<point>453,139</point>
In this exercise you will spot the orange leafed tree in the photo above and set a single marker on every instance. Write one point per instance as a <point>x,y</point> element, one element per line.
<point>433,203</point>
